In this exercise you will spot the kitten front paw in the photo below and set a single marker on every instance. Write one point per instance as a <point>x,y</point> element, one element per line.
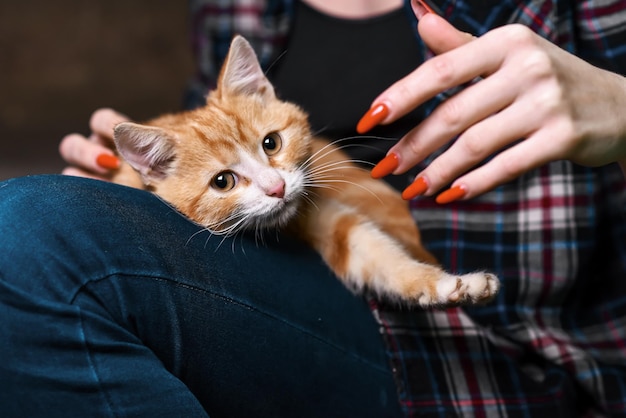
<point>472,288</point>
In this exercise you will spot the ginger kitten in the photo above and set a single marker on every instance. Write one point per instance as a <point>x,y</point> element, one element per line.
<point>247,160</point>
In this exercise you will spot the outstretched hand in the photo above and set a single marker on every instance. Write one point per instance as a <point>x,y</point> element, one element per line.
<point>534,103</point>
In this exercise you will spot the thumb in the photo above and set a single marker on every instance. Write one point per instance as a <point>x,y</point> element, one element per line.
<point>439,35</point>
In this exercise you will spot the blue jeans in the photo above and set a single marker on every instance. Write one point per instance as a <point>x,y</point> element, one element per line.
<point>113,304</point>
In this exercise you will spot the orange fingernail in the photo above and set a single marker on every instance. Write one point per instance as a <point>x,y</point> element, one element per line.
<point>425,6</point>
<point>450,195</point>
<point>108,161</point>
<point>372,118</point>
<point>386,166</point>
<point>417,188</point>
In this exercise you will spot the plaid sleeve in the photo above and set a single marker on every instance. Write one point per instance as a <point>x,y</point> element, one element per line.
<point>553,343</point>
<point>264,23</point>
<point>601,29</point>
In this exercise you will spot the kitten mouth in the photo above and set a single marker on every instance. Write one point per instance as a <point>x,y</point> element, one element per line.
<point>276,217</point>
<point>282,212</point>
<point>272,212</point>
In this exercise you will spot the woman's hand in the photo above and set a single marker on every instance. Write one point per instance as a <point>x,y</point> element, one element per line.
<point>536,103</point>
<point>93,157</point>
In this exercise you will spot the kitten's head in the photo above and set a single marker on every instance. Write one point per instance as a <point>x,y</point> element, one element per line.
<point>235,163</point>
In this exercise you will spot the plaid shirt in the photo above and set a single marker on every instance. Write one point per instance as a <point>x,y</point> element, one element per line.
<point>553,343</point>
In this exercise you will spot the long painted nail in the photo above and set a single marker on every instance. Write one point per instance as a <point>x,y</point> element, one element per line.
<point>108,161</point>
<point>372,118</point>
<point>386,166</point>
<point>417,188</point>
<point>425,5</point>
<point>450,195</point>
<point>421,8</point>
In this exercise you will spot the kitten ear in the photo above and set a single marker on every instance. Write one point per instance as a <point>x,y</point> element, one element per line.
<point>242,73</point>
<point>148,149</point>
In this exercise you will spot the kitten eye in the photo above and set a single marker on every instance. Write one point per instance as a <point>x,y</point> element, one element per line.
<point>272,143</point>
<point>224,181</point>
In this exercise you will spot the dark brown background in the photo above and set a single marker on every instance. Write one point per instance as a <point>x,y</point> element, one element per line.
<point>62,59</point>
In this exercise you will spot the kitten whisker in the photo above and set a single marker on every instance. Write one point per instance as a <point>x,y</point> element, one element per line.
<point>226,226</point>
<point>325,151</point>
<point>316,156</point>
<point>203,229</point>
<point>325,185</point>
<point>234,241</point>
<point>337,166</point>
<point>243,249</point>
<point>343,164</point>
<point>278,58</point>
<point>230,231</point>
<point>258,234</point>
<point>381,138</point>
<point>306,197</point>
<point>346,146</point>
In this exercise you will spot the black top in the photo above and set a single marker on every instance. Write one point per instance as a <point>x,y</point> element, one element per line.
<point>322,50</point>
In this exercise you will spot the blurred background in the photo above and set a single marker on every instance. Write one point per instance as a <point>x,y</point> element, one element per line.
<point>60,60</point>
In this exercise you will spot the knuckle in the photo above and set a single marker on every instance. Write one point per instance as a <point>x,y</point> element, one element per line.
<point>510,166</point>
<point>439,173</point>
<point>415,148</point>
<point>549,101</point>
<point>404,93</point>
<point>451,113</point>
<point>68,144</point>
<point>412,145</point>
<point>538,64</point>
<point>528,51</point>
<point>517,34</point>
<point>76,150</point>
<point>472,145</point>
<point>568,139</point>
<point>571,132</point>
<point>443,70</point>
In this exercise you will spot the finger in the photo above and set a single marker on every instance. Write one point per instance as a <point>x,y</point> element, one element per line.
<point>84,154</point>
<point>439,35</point>
<point>452,117</point>
<point>103,122</point>
<point>512,163</point>
<point>99,139</point>
<point>443,37</point>
<point>77,172</point>
<point>480,141</point>
<point>441,73</point>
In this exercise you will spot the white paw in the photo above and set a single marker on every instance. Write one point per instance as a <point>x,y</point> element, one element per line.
<point>469,288</point>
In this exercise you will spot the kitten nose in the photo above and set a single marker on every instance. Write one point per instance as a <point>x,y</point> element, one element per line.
<point>277,190</point>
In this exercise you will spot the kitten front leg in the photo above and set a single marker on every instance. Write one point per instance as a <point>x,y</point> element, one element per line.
<point>377,262</point>
<point>364,257</point>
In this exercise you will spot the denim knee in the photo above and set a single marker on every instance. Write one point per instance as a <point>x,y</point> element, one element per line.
<point>76,229</point>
